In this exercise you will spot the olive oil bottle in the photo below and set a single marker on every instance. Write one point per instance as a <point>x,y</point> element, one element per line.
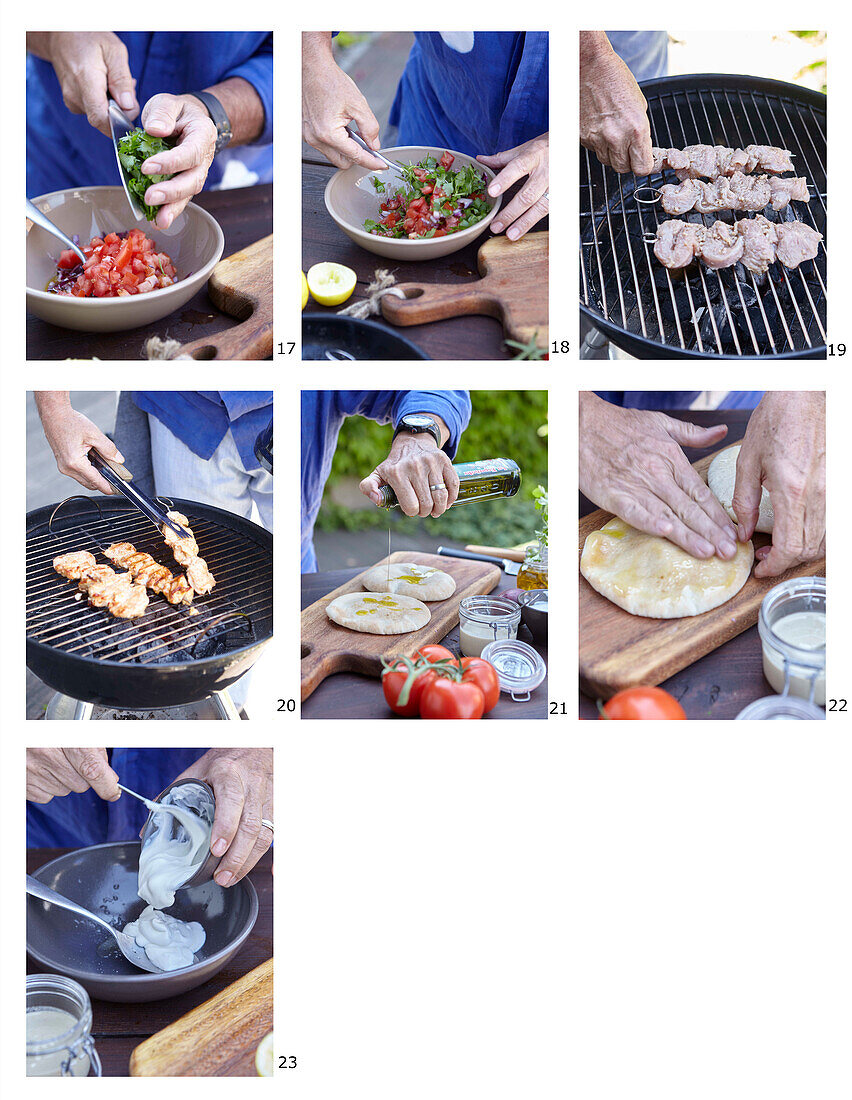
<point>485,480</point>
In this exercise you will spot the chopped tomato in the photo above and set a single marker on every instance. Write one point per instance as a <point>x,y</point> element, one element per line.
<point>446,160</point>
<point>116,265</point>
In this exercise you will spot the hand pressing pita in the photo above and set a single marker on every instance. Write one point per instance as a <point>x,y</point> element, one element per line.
<point>631,464</point>
<point>784,452</point>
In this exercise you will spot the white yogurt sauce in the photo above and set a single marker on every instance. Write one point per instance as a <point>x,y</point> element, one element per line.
<point>806,631</point>
<point>474,637</point>
<point>48,1023</point>
<point>165,864</point>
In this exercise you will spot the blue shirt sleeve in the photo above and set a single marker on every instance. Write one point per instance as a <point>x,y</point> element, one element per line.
<point>390,406</point>
<point>257,70</point>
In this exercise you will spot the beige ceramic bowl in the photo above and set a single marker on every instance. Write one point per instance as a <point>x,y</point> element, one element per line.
<point>350,206</point>
<point>194,242</point>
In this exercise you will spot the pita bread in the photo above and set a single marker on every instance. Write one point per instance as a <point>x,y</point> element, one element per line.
<point>648,575</point>
<point>378,613</point>
<point>408,579</point>
<point>722,477</point>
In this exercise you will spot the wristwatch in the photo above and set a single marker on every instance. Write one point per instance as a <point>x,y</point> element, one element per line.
<point>217,112</point>
<point>417,423</point>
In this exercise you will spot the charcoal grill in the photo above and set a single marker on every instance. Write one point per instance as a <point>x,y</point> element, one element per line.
<point>651,312</point>
<point>171,655</point>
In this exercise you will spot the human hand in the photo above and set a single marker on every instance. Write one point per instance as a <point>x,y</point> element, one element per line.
<point>784,451</point>
<point>631,464</point>
<point>613,111</point>
<point>71,435</point>
<point>185,118</point>
<point>414,467</point>
<point>242,784</point>
<point>331,100</point>
<point>532,202</point>
<point>53,773</point>
<point>87,66</point>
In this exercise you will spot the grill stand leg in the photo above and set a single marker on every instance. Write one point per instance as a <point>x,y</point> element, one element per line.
<point>83,711</point>
<point>225,705</point>
<point>593,342</point>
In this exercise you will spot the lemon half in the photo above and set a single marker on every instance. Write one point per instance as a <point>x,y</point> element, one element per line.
<point>330,283</point>
<point>264,1058</point>
<point>305,293</point>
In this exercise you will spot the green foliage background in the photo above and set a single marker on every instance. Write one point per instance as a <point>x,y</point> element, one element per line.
<point>503,424</point>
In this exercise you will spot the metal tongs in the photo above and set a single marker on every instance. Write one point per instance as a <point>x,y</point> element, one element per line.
<point>119,125</point>
<point>121,478</point>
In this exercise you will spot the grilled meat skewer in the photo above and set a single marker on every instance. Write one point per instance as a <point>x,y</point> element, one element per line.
<point>736,192</point>
<point>185,551</point>
<point>150,573</point>
<point>117,592</point>
<point>709,161</point>
<point>756,241</point>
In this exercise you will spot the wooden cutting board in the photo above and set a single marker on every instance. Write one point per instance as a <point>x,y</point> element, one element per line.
<point>619,650</point>
<point>241,286</point>
<point>217,1039</point>
<point>513,288</point>
<point>328,648</point>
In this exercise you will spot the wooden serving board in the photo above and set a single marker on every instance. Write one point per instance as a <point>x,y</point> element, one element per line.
<point>217,1039</point>
<point>619,650</point>
<point>513,288</point>
<point>328,648</point>
<point>241,286</point>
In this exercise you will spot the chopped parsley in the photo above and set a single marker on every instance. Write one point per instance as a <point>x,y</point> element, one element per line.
<point>133,150</point>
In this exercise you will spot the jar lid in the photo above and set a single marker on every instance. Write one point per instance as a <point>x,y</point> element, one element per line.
<point>781,708</point>
<point>490,609</point>
<point>519,668</point>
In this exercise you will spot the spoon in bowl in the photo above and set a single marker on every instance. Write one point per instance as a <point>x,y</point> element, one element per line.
<point>42,220</point>
<point>126,944</point>
<point>391,174</point>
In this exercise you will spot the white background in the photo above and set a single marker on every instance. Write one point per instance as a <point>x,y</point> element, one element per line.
<point>532,909</point>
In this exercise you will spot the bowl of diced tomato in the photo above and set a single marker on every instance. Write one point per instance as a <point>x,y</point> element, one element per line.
<point>425,224</point>
<point>135,273</point>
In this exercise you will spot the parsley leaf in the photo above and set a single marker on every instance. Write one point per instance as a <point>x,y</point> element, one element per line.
<point>133,150</point>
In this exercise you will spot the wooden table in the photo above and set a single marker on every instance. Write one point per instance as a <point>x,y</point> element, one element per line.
<point>470,337</point>
<point>348,695</point>
<point>245,215</point>
<point>118,1028</point>
<point>721,684</point>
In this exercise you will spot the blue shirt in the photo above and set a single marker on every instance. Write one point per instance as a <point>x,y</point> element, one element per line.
<point>475,92</point>
<point>645,53</point>
<point>202,418</point>
<point>660,400</point>
<point>63,150</point>
<point>323,412</point>
<point>78,820</point>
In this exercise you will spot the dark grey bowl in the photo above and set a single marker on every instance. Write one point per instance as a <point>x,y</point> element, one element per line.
<point>103,878</point>
<point>533,618</point>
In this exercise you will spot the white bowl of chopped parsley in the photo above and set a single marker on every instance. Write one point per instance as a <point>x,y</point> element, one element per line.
<point>434,228</point>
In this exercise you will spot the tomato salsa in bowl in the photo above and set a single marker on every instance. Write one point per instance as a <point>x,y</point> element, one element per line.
<point>436,225</point>
<point>158,270</point>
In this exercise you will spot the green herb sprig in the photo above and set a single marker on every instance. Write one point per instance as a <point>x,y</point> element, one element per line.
<point>133,150</point>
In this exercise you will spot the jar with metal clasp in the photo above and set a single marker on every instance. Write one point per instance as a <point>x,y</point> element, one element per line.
<point>533,572</point>
<point>59,1028</point>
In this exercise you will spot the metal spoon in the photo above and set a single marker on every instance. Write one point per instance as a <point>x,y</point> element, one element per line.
<point>35,215</point>
<point>126,944</point>
<point>365,182</point>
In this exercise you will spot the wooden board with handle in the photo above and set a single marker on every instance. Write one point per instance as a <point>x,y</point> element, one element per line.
<point>513,288</point>
<point>328,648</point>
<point>217,1039</point>
<point>241,286</point>
<point>619,650</point>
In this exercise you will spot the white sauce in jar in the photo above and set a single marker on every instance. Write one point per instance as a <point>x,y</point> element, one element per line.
<point>806,631</point>
<point>474,637</point>
<point>47,1023</point>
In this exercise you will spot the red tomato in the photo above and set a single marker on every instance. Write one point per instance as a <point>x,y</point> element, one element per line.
<point>446,160</point>
<point>484,675</point>
<point>393,681</point>
<point>117,266</point>
<point>644,704</point>
<point>444,698</point>
<point>435,653</point>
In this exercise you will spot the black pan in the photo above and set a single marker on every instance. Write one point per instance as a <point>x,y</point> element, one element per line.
<point>327,332</point>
